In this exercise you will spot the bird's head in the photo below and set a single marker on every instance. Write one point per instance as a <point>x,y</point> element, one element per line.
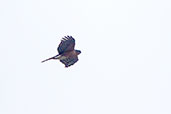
<point>78,52</point>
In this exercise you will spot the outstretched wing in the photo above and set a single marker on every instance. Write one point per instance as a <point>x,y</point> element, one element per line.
<point>67,44</point>
<point>69,61</point>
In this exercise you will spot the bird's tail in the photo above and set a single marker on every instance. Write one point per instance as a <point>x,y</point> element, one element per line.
<point>54,57</point>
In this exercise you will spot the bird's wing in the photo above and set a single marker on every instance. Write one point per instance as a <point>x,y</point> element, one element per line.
<point>67,44</point>
<point>69,61</point>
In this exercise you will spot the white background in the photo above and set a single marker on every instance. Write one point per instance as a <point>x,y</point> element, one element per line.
<point>124,67</point>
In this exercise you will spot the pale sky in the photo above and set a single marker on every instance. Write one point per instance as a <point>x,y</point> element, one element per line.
<point>124,67</point>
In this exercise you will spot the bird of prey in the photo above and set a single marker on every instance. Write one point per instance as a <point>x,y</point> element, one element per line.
<point>66,52</point>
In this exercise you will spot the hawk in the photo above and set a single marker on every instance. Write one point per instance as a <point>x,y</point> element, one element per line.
<point>66,52</point>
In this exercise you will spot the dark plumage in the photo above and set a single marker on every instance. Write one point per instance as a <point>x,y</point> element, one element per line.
<point>67,54</point>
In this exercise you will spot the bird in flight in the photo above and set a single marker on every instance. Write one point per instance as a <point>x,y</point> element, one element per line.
<point>66,52</point>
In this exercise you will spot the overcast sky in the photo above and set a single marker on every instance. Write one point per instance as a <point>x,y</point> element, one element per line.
<point>124,67</point>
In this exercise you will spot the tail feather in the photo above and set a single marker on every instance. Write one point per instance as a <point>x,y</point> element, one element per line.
<point>54,57</point>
